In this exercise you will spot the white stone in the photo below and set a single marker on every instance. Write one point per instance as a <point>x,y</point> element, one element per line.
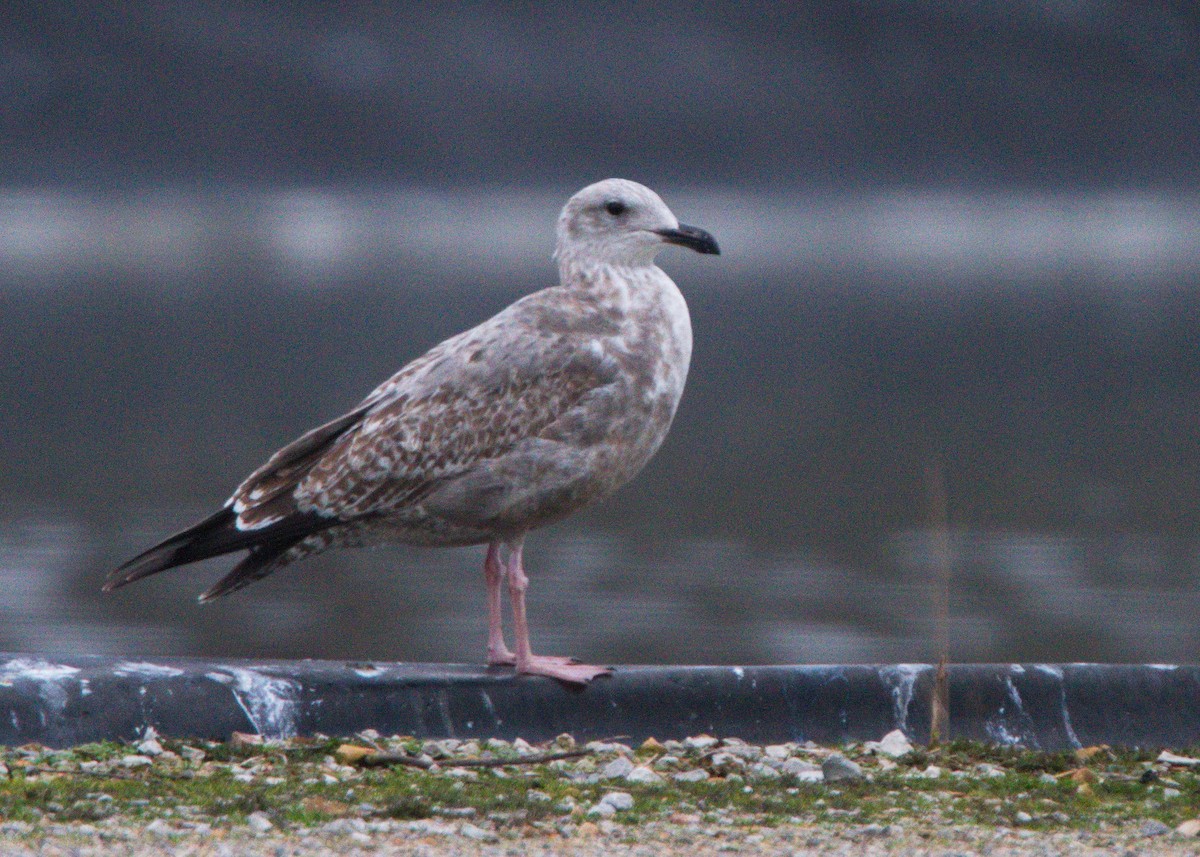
<point>1173,759</point>
<point>150,747</point>
<point>477,833</point>
<point>602,810</point>
<point>893,745</point>
<point>763,772</point>
<point>135,761</point>
<point>618,800</point>
<point>697,775</point>
<point>700,742</point>
<point>645,776</point>
<point>837,768</point>
<point>797,767</point>
<point>777,751</point>
<point>617,768</point>
<point>159,828</point>
<point>259,822</point>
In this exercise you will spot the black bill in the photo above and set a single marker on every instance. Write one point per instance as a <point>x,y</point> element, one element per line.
<point>693,237</point>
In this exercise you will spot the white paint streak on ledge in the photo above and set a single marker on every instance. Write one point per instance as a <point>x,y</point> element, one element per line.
<point>269,702</point>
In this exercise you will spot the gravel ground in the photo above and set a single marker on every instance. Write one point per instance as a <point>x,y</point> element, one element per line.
<point>703,795</point>
<point>650,840</point>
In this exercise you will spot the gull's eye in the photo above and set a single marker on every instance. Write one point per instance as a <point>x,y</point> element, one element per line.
<point>615,207</point>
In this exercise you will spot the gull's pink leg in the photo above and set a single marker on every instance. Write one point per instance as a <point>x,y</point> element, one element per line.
<point>493,573</point>
<point>565,669</point>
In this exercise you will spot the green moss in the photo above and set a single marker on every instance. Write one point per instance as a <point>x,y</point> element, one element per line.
<point>289,784</point>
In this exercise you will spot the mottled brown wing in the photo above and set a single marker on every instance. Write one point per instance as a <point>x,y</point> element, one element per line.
<point>406,445</point>
<point>265,496</point>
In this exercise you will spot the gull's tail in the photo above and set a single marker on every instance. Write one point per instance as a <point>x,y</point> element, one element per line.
<point>218,535</point>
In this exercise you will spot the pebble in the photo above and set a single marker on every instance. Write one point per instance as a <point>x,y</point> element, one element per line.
<point>617,768</point>
<point>1153,827</point>
<point>150,747</point>
<point>701,742</point>
<point>259,822</point>
<point>135,761</point>
<point>893,745</point>
<point>618,800</point>
<point>837,768</point>
<point>645,776</point>
<point>1191,827</point>
<point>802,770</point>
<point>696,775</point>
<point>602,810</point>
<point>479,834</point>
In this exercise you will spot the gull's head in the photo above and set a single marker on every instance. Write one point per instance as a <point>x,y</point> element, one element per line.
<point>619,222</point>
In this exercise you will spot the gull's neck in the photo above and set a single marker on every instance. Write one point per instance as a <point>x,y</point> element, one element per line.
<point>591,273</point>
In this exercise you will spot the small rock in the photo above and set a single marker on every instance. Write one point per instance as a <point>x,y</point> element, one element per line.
<point>893,745</point>
<point>619,801</point>
<point>645,776</point>
<point>617,768</point>
<point>777,751</point>
<point>259,822</point>
<point>1022,817</point>
<point>1171,794</point>
<point>723,764</point>
<point>537,796</point>
<point>1173,759</point>
<point>837,768</point>
<point>602,810</point>
<point>697,775</point>
<point>650,745</point>
<point>1153,827</point>
<point>874,830</point>
<point>150,747</point>
<point>801,768</point>
<point>700,742</point>
<point>1047,779</point>
<point>135,761</point>
<point>987,769</point>
<point>763,772</point>
<point>159,828</point>
<point>192,754</point>
<point>479,834</point>
<point>523,747</point>
<point>1191,827</point>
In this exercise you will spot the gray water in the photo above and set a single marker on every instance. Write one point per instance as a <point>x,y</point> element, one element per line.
<point>145,370</point>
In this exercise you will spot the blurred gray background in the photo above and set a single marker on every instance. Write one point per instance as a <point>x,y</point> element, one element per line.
<point>960,235</point>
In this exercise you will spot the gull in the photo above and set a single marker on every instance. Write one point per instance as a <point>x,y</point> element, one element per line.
<point>543,409</point>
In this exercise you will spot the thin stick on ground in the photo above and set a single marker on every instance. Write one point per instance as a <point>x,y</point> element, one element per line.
<point>383,759</point>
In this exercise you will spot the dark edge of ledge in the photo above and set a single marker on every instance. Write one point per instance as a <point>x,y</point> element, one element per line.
<point>61,701</point>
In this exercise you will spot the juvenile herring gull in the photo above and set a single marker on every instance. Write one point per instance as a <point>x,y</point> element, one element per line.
<point>539,411</point>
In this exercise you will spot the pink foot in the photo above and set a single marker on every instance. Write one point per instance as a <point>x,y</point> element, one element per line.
<point>503,658</point>
<point>564,669</point>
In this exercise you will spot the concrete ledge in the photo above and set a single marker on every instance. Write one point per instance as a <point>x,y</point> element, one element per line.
<point>64,700</point>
